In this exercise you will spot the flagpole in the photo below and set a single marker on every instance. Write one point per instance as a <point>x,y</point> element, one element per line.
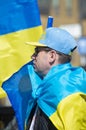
<point>50,22</point>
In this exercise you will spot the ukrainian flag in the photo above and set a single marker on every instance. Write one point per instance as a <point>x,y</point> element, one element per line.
<point>20,88</point>
<point>61,95</point>
<point>19,22</point>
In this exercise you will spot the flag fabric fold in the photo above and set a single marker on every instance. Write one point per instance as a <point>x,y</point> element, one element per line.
<point>19,23</point>
<point>21,92</point>
<point>58,100</point>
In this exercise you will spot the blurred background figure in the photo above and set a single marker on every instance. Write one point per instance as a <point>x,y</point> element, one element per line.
<point>12,125</point>
<point>7,118</point>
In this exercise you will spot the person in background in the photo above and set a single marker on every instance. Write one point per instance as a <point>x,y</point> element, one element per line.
<point>12,125</point>
<point>61,95</point>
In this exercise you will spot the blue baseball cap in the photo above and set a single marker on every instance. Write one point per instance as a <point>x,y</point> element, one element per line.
<point>57,39</point>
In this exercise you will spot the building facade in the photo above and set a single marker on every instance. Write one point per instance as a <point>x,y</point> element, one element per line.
<point>64,12</point>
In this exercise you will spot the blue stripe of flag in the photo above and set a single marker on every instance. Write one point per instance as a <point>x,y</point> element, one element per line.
<point>17,15</point>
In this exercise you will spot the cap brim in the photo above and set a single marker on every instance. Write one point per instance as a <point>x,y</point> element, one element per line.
<point>35,44</point>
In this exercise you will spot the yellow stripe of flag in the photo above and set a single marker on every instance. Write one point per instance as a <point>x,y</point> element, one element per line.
<point>14,53</point>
